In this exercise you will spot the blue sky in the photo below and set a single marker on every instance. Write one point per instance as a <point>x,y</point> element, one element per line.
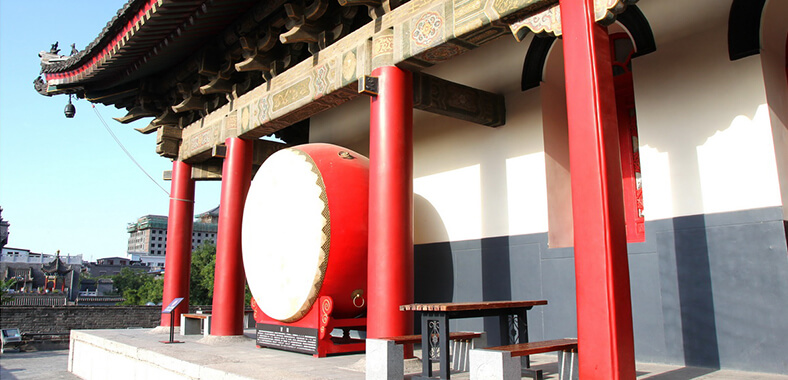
<point>64,183</point>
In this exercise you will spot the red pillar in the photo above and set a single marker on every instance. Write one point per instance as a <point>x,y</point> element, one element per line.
<point>177,264</point>
<point>604,311</point>
<point>390,265</point>
<point>229,278</point>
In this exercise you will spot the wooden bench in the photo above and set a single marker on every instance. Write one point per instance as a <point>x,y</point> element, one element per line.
<point>455,336</point>
<point>385,356</point>
<point>200,323</point>
<point>195,324</point>
<point>503,362</point>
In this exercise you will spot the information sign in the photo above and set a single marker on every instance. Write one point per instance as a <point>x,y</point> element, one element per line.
<point>290,338</point>
<point>175,302</point>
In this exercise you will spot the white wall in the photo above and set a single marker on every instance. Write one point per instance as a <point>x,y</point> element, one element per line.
<point>705,134</point>
<point>773,58</point>
<point>705,137</point>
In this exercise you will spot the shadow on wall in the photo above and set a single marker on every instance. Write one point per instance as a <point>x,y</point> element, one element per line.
<point>433,263</point>
<point>496,282</point>
<point>696,297</point>
<point>434,267</point>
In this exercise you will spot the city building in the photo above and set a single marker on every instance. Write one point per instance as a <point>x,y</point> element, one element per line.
<point>41,273</point>
<point>148,236</point>
<point>633,173</point>
<point>22,255</point>
<point>3,230</point>
<point>110,266</point>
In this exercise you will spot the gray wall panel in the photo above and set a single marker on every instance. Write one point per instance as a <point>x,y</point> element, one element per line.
<point>526,275</point>
<point>708,290</point>
<point>559,290</point>
<point>750,282</point>
<point>647,314</point>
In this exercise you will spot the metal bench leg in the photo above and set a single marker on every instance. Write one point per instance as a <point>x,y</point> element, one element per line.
<point>385,360</point>
<point>459,355</point>
<point>535,374</point>
<point>567,365</point>
<point>206,327</point>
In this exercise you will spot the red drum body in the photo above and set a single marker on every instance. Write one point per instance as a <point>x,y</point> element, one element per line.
<point>304,233</point>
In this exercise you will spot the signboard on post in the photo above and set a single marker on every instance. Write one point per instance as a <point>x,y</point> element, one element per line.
<point>175,302</point>
<point>168,310</point>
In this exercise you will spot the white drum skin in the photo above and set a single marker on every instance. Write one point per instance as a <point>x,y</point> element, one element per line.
<point>304,232</point>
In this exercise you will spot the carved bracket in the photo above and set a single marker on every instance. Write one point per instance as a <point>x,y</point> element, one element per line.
<point>548,22</point>
<point>436,95</point>
<point>141,110</point>
<point>168,140</point>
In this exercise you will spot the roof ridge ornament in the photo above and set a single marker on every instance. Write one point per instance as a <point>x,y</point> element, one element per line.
<point>53,55</point>
<point>548,22</point>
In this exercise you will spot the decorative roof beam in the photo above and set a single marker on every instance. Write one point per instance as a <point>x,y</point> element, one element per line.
<point>211,169</point>
<point>422,33</point>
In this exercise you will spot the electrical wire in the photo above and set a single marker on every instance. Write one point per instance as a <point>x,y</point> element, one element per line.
<point>120,144</point>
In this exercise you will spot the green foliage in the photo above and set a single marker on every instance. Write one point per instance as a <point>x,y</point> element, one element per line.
<point>137,287</point>
<point>129,279</point>
<point>150,291</point>
<point>4,286</point>
<point>202,273</point>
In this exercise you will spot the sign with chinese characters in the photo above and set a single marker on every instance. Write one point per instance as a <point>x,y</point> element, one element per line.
<point>289,338</point>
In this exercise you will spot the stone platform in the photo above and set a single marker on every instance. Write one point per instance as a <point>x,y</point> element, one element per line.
<point>139,354</point>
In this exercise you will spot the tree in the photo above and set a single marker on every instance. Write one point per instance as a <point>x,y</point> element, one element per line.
<point>137,287</point>
<point>4,286</point>
<point>202,273</point>
<point>128,279</point>
<point>150,291</point>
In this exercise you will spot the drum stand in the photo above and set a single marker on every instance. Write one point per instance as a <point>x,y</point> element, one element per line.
<point>311,334</point>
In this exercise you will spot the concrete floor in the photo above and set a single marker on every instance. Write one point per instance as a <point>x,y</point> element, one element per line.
<point>239,358</point>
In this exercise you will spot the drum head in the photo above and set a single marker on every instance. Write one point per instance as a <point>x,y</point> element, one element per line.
<point>286,235</point>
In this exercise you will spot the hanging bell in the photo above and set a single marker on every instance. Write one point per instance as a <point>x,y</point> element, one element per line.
<point>70,110</point>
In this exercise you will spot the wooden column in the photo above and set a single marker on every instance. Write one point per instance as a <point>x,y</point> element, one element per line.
<point>229,278</point>
<point>390,265</point>
<point>177,264</point>
<point>604,311</point>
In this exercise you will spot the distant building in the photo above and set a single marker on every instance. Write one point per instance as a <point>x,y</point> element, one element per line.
<point>59,275</point>
<point>22,255</point>
<point>95,287</point>
<point>148,236</point>
<point>110,266</point>
<point>3,230</point>
<point>41,273</point>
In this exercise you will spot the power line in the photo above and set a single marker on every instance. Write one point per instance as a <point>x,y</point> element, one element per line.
<point>120,144</point>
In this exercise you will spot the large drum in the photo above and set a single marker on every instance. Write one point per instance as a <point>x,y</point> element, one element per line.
<point>304,231</point>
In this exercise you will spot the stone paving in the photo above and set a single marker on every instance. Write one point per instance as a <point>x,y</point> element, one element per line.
<point>251,362</point>
<point>35,365</point>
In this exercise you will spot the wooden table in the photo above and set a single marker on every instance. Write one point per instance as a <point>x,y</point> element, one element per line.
<point>435,325</point>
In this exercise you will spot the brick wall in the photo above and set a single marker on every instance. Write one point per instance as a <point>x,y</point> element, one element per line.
<point>62,319</point>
